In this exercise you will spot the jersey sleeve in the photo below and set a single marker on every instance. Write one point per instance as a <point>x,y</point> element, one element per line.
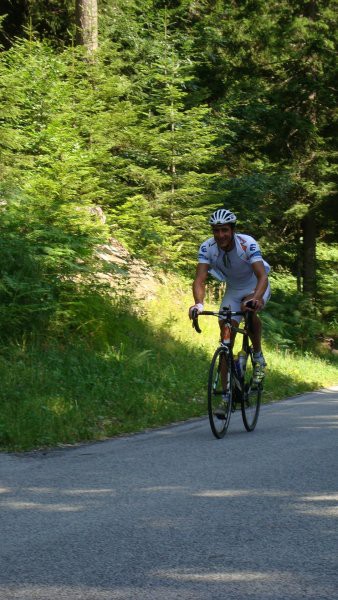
<point>254,252</point>
<point>203,254</point>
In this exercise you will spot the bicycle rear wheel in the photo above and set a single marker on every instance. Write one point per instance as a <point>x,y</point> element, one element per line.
<point>219,397</point>
<point>251,399</point>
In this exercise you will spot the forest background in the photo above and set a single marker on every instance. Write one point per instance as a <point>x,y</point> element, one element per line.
<point>133,121</point>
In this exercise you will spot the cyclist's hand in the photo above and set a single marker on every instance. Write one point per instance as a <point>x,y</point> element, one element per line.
<point>254,304</point>
<point>195,310</point>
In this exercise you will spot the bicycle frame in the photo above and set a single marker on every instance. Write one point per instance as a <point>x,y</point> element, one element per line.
<point>231,385</point>
<point>226,315</point>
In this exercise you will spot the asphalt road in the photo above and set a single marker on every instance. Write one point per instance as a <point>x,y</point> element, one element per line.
<point>176,514</point>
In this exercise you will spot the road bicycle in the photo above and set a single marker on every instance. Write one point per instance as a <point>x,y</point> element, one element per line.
<point>231,384</point>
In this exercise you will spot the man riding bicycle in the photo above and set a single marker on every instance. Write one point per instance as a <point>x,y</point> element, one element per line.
<point>236,259</point>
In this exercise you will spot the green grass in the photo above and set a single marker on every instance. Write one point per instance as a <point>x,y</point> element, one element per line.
<point>288,372</point>
<point>140,371</point>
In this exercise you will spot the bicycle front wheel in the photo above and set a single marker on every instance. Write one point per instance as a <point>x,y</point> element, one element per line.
<point>251,399</point>
<point>220,393</point>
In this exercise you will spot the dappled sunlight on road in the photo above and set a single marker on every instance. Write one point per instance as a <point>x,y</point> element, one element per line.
<point>309,505</point>
<point>312,511</point>
<point>331,423</point>
<point>74,492</point>
<point>162,517</point>
<point>47,499</point>
<point>320,418</point>
<point>165,488</point>
<point>39,506</point>
<point>234,493</point>
<point>55,592</point>
<point>327,426</point>
<point>216,576</point>
<point>316,422</point>
<point>92,499</point>
<point>221,493</point>
<point>321,498</point>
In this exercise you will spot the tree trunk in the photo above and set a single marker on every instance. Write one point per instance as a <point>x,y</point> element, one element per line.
<point>86,24</point>
<point>308,223</point>
<point>299,262</point>
<point>309,255</point>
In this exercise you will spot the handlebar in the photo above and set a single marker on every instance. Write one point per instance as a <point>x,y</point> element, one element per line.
<point>225,314</point>
<point>195,320</point>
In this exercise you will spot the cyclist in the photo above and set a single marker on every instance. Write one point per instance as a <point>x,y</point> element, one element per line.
<point>236,259</point>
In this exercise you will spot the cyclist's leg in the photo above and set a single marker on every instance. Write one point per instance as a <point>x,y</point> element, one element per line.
<point>256,324</point>
<point>255,335</point>
<point>256,331</point>
<point>232,300</point>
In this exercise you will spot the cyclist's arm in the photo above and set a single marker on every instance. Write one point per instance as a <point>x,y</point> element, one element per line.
<point>198,286</point>
<point>262,282</point>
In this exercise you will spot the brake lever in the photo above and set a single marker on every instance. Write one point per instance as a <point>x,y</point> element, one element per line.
<point>195,321</point>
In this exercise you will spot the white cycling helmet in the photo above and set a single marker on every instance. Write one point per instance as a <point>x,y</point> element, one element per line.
<point>222,216</point>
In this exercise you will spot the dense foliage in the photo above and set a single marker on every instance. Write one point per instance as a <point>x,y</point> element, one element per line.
<point>186,105</point>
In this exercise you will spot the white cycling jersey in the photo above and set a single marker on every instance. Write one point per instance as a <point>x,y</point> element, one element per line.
<point>234,267</point>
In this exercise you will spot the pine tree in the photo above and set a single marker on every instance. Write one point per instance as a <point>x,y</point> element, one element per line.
<point>173,150</point>
<point>48,186</point>
<point>306,93</point>
<point>268,72</point>
<point>52,20</point>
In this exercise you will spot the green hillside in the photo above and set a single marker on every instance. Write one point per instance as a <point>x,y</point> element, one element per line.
<point>136,134</point>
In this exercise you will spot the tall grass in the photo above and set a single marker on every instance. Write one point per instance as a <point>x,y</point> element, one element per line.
<point>138,370</point>
<point>288,372</point>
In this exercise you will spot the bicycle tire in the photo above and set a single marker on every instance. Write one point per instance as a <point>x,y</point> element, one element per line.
<point>216,395</point>
<point>251,396</point>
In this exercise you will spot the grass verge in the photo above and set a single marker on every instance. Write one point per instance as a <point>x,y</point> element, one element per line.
<point>148,369</point>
